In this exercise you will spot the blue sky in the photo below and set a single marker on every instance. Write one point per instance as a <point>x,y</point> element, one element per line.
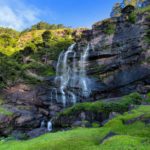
<point>21,14</point>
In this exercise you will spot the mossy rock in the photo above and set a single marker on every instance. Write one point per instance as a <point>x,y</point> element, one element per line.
<point>120,106</point>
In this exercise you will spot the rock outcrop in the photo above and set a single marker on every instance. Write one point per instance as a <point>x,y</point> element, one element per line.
<point>119,58</point>
<point>26,107</point>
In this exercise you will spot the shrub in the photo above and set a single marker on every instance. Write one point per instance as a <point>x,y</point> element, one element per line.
<point>148,98</point>
<point>95,125</point>
<point>4,111</point>
<point>132,17</point>
<point>110,29</point>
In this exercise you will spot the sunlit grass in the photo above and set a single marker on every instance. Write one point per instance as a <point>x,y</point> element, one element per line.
<point>135,136</point>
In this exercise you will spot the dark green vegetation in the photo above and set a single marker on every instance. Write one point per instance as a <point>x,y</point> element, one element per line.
<point>134,135</point>
<point>27,56</point>
<point>109,27</point>
<point>132,17</point>
<point>4,111</point>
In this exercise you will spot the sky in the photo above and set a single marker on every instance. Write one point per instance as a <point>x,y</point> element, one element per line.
<point>22,14</point>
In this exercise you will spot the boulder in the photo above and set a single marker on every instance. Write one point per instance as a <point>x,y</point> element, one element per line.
<point>36,132</point>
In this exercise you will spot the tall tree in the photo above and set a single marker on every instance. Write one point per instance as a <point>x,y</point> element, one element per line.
<point>46,36</point>
<point>116,11</point>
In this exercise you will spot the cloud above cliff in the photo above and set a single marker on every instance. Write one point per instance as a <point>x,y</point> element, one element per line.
<point>18,15</point>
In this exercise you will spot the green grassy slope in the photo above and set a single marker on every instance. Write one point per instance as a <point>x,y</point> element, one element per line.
<point>134,136</point>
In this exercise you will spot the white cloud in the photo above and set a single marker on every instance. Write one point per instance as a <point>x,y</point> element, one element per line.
<point>18,15</point>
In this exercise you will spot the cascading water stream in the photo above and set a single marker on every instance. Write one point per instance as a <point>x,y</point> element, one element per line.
<point>63,72</point>
<point>83,76</point>
<point>49,126</point>
<point>69,74</point>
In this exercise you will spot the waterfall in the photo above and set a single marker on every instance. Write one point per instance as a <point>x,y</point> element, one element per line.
<point>73,97</point>
<point>63,72</point>
<point>71,73</point>
<point>49,126</point>
<point>43,124</point>
<point>83,76</point>
<point>66,73</point>
<point>74,71</point>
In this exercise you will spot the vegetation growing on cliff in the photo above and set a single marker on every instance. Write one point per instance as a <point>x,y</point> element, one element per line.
<point>110,29</point>
<point>26,56</point>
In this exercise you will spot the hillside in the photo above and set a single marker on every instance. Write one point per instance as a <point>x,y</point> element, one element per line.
<point>28,57</point>
<point>36,35</point>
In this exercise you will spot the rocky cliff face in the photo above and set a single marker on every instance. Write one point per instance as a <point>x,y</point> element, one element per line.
<point>119,58</point>
<point>118,64</point>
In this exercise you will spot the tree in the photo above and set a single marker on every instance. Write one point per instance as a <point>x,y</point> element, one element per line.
<point>135,3</point>
<point>59,26</point>
<point>40,26</point>
<point>116,11</point>
<point>45,26</point>
<point>46,36</point>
